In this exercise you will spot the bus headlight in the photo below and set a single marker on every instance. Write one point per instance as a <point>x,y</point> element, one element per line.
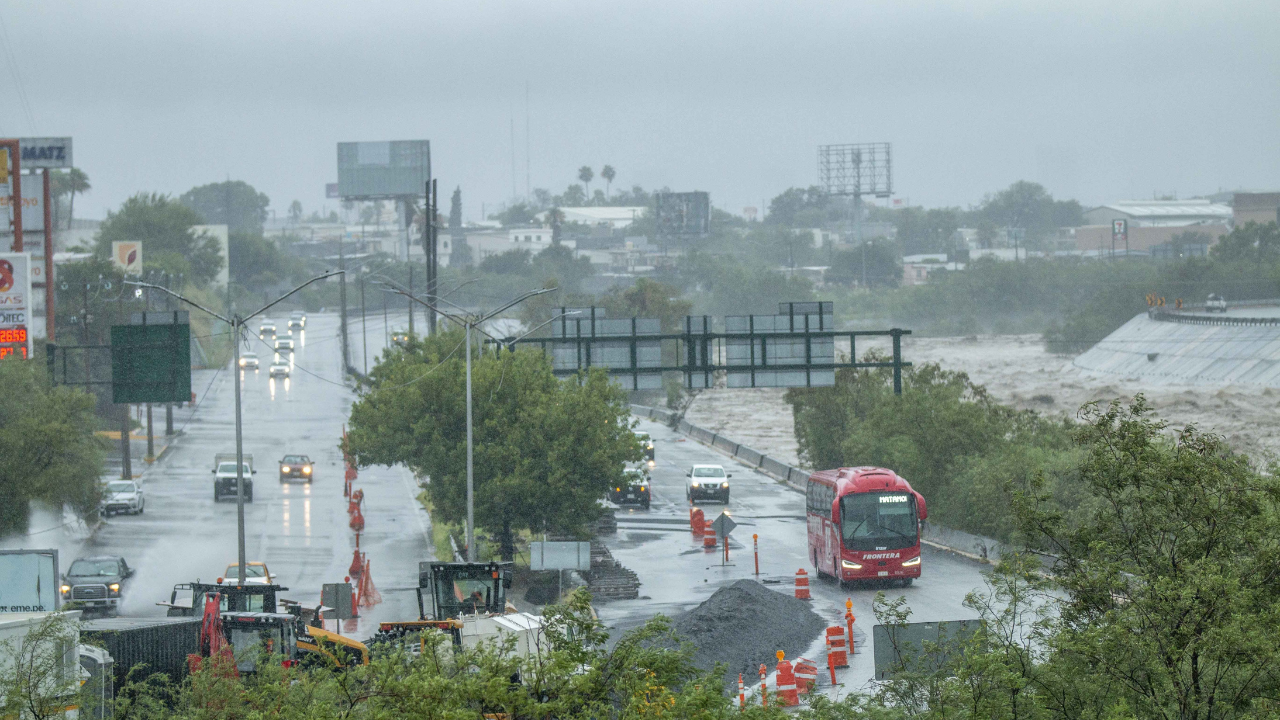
<point>912,562</point>
<point>847,565</point>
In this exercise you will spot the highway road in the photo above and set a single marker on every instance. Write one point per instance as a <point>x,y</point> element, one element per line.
<point>299,530</point>
<point>676,574</point>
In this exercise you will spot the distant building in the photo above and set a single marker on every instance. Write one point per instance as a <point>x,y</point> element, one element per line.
<point>1152,223</point>
<point>615,217</point>
<point>1261,208</point>
<point>485,243</point>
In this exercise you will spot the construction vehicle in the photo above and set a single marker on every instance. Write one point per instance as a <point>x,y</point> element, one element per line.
<point>469,602</point>
<point>250,619</point>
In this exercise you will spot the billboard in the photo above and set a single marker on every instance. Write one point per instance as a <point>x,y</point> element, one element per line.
<point>28,581</point>
<point>678,214</point>
<point>15,304</point>
<point>32,205</point>
<point>858,169</point>
<point>48,152</point>
<point>381,170</point>
<point>127,255</point>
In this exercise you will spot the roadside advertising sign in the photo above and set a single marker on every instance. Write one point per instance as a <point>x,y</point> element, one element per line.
<point>15,304</point>
<point>28,581</point>
<point>32,204</point>
<point>127,255</point>
<point>1119,230</point>
<point>47,152</point>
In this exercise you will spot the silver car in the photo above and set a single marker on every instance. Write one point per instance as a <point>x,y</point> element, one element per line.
<point>122,496</point>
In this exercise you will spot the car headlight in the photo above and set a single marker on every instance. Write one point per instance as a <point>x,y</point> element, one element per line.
<point>643,488</point>
<point>114,587</point>
<point>912,562</point>
<point>284,468</point>
<point>66,589</point>
<point>695,483</point>
<point>617,489</point>
<point>652,464</point>
<point>306,470</point>
<point>724,485</point>
<point>847,565</point>
<point>241,362</point>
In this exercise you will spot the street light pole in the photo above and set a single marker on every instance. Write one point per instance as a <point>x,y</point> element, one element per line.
<point>237,323</point>
<point>469,323</point>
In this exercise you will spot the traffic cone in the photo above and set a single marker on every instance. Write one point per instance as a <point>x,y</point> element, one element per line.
<point>802,585</point>
<point>836,649</point>
<point>806,676</point>
<point>786,683</point>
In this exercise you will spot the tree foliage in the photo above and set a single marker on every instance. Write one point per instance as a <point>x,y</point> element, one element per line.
<point>234,203</point>
<point>163,226</point>
<point>46,437</point>
<point>545,449</point>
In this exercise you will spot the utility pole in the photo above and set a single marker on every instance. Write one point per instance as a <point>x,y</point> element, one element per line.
<point>431,249</point>
<point>410,305</point>
<point>126,449</point>
<point>342,301</point>
<point>364,334</point>
<point>386,331</point>
<point>237,323</point>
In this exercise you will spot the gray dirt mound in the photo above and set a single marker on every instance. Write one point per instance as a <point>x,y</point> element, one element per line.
<point>743,625</point>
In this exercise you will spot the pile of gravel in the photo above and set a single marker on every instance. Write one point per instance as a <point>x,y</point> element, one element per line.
<point>745,624</point>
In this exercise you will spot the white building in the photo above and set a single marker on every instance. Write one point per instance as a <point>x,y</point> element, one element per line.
<point>614,217</point>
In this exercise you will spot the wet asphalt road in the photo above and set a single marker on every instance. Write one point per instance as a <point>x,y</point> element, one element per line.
<point>676,574</point>
<point>299,530</point>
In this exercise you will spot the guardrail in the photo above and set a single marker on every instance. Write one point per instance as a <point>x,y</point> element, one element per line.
<point>1175,317</point>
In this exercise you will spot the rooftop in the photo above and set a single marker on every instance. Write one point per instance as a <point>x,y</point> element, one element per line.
<point>1170,208</point>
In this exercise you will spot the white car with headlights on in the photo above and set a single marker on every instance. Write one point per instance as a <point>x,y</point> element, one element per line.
<point>708,482</point>
<point>122,496</point>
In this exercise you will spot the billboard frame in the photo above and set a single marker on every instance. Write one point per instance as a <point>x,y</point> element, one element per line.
<point>57,578</point>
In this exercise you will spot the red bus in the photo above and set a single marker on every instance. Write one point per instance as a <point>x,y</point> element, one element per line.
<point>864,524</point>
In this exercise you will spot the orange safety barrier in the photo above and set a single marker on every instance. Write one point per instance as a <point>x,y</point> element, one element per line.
<point>709,539</point>
<point>831,668</point>
<point>848,620</point>
<point>698,521</point>
<point>742,694</point>
<point>357,564</point>
<point>357,522</point>
<point>802,585</point>
<point>369,595</point>
<point>357,498</point>
<point>351,473</point>
<point>837,652</point>
<point>786,682</point>
<point>806,676</point>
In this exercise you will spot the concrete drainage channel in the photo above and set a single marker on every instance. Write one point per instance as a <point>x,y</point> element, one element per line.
<point>974,547</point>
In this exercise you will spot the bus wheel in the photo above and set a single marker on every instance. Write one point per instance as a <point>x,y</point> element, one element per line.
<point>906,582</point>
<point>813,556</point>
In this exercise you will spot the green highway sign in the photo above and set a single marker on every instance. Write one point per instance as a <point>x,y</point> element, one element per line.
<point>151,359</point>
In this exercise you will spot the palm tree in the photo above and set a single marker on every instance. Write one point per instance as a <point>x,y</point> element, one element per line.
<point>295,211</point>
<point>608,173</point>
<point>69,183</point>
<point>585,175</point>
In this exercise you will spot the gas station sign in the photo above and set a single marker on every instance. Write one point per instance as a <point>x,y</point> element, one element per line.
<point>15,304</point>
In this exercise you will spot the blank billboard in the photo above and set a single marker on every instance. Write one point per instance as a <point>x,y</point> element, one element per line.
<point>679,214</point>
<point>388,169</point>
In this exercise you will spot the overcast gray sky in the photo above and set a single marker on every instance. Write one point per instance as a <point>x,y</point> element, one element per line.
<point>1098,100</point>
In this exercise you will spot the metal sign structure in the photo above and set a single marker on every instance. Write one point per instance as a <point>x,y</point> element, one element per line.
<point>29,581</point>
<point>723,525</point>
<point>151,359</point>
<point>338,597</point>
<point>15,304</point>
<point>560,555</point>
<point>795,348</point>
<point>685,214</point>
<point>383,170</point>
<point>48,152</point>
<point>918,647</point>
<point>858,169</point>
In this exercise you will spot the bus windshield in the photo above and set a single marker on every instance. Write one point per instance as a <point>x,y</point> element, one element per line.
<point>879,521</point>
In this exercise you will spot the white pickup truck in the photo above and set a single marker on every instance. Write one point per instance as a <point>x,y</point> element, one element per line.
<point>224,476</point>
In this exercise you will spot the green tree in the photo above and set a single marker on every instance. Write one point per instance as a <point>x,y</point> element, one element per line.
<point>648,299</point>
<point>295,212</point>
<point>608,173</point>
<point>515,215</point>
<point>163,226</point>
<point>512,262</point>
<point>233,203</point>
<point>557,263</point>
<point>1028,205</point>
<point>927,231</point>
<point>1172,604</point>
<point>883,268</point>
<point>799,207</point>
<point>37,679</point>
<point>256,263</point>
<point>545,450</point>
<point>1255,243</point>
<point>455,212</point>
<point>585,174</point>
<point>46,437</point>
